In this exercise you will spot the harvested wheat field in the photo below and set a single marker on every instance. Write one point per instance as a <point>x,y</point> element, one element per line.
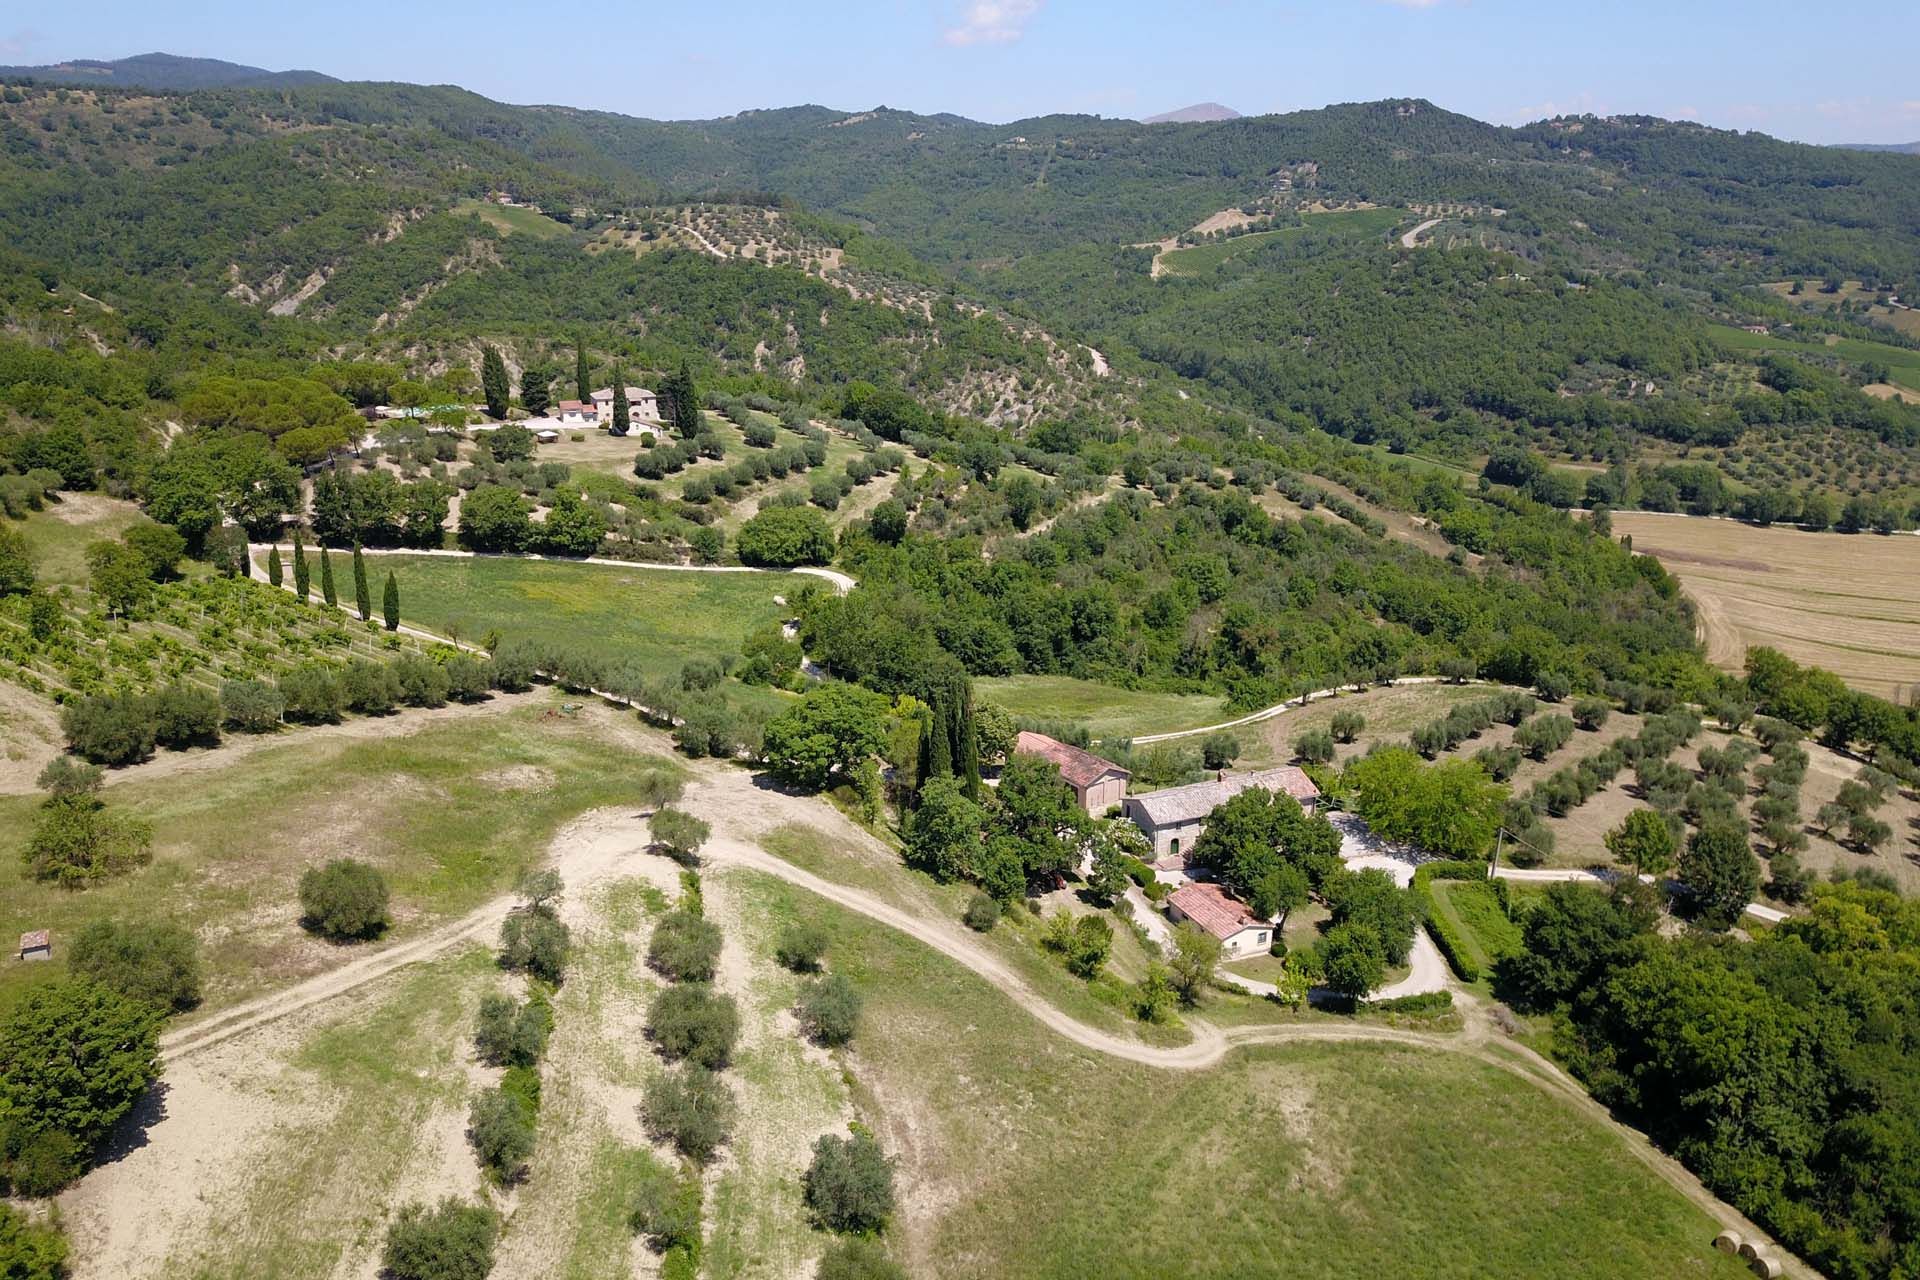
<point>1849,602</point>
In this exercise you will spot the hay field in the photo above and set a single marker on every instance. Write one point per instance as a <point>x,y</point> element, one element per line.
<point>1846,602</point>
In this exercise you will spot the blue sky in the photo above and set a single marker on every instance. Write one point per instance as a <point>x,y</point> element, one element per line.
<point>1838,71</point>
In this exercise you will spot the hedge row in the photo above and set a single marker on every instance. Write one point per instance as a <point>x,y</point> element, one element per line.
<point>1451,945</point>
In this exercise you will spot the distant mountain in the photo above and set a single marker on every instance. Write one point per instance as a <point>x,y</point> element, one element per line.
<point>1198,113</point>
<point>164,71</point>
<point>1904,148</point>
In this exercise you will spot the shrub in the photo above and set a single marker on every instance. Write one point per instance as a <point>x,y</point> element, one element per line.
<point>800,947</point>
<point>312,693</point>
<point>983,912</point>
<point>1219,750</point>
<point>666,1210</point>
<point>829,1010</point>
<point>500,1126</point>
<point>1591,713</point>
<point>251,706</point>
<point>151,960</point>
<point>684,947</point>
<point>343,900</point>
<point>692,1108</point>
<point>783,537</point>
<point>370,688</point>
<point>858,1258</point>
<point>185,715</point>
<point>76,839</point>
<point>30,1250</point>
<point>1314,746</point>
<point>468,677</point>
<point>690,1023</point>
<point>452,1242</point>
<point>849,1185</point>
<point>536,943</point>
<point>111,729</point>
<point>422,681</point>
<point>679,833</point>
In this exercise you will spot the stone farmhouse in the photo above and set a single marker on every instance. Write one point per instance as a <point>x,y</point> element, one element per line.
<point>1172,819</point>
<point>1098,784</point>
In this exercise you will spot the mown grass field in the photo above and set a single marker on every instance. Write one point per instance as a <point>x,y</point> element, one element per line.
<point>1107,712</point>
<point>1904,363</point>
<point>657,617</point>
<point>59,535</point>
<point>1358,223</point>
<point>451,814</point>
<point>1846,602</point>
<point>1023,1156</point>
<point>515,221</point>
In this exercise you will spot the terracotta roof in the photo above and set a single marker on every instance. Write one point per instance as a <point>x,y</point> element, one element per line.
<point>1081,768</point>
<point>1213,909</point>
<point>1191,803</point>
<point>568,405</point>
<point>38,938</point>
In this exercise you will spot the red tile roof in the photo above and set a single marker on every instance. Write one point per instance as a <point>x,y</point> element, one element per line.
<point>1080,768</point>
<point>1213,909</point>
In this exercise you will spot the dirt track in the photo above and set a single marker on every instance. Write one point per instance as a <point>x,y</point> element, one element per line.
<point>741,810</point>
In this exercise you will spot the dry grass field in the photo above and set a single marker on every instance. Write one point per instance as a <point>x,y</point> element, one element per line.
<point>1846,602</point>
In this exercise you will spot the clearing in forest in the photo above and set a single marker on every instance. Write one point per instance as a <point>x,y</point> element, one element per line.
<point>1846,602</point>
<point>1106,711</point>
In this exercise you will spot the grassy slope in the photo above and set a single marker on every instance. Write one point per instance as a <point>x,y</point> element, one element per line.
<point>1472,906</point>
<point>1904,362</point>
<point>658,617</point>
<point>528,222</point>
<point>58,536</point>
<point>421,807</point>
<point>1039,1159</point>
<point>1106,711</point>
<point>1204,257</point>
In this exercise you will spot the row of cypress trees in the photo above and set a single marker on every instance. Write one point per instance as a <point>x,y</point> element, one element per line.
<point>362,596</point>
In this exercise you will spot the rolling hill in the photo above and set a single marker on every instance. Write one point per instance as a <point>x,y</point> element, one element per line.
<point>164,71</point>
<point>1198,113</point>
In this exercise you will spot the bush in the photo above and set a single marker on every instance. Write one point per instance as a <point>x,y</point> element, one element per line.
<point>983,912</point>
<point>1314,747</point>
<point>858,1258</point>
<point>536,943</point>
<point>468,677</point>
<point>684,947</point>
<point>800,947</point>
<point>452,1242</point>
<point>829,1010</point>
<point>679,833</point>
<point>343,900</point>
<point>666,1210</point>
<point>692,1108</point>
<point>150,960</point>
<point>422,681</point>
<point>370,688</point>
<point>185,715</point>
<point>690,1023</point>
<point>1591,713</point>
<point>110,729</point>
<point>849,1185</point>
<point>251,706</point>
<point>76,839</point>
<point>500,1126</point>
<point>783,537</point>
<point>312,693</point>
<point>30,1250</point>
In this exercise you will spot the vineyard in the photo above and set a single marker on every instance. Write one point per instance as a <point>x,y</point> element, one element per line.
<point>202,631</point>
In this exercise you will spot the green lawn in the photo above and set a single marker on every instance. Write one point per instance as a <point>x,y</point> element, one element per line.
<point>1904,363</point>
<point>1482,925</point>
<point>1358,223</point>
<point>450,814</point>
<point>514,221</point>
<point>657,617</point>
<point>1034,1158</point>
<point>1106,711</point>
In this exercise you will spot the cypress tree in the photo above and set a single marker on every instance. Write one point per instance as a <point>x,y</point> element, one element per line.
<point>326,578</point>
<point>362,598</point>
<point>493,382</point>
<point>390,603</point>
<point>276,574</point>
<point>582,386</point>
<point>302,580</point>
<point>620,407</point>
<point>536,388</point>
<point>947,744</point>
<point>685,399</point>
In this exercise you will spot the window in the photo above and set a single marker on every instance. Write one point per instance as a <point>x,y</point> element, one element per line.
<point>1262,937</point>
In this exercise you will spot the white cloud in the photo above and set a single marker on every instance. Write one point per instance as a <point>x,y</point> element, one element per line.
<point>1415,4</point>
<point>19,42</point>
<point>992,22</point>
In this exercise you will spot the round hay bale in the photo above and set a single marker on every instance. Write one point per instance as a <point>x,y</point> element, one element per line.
<point>1727,1242</point>
<point>1749,1250</point>
<point>1766,1268</point>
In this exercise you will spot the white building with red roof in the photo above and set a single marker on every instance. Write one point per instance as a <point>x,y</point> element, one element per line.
<point>1241,933</point>
<point>1098,784</point>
